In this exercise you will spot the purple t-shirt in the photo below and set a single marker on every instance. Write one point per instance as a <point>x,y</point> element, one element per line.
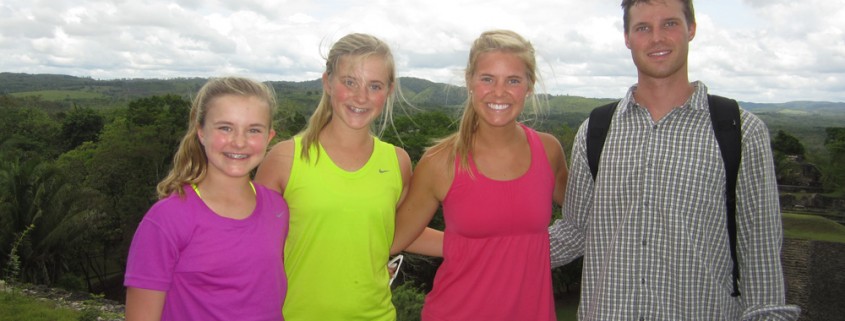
<point>212,267</point>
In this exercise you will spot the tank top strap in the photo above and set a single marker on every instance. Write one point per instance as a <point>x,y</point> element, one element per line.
<point>538,151</point>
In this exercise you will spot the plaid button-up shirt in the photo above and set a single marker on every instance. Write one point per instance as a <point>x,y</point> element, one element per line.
<point>652,227</point>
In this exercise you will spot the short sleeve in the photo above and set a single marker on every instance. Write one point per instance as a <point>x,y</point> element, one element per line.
<point>152,255</point>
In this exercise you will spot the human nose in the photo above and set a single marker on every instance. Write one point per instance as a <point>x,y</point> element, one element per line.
<point>239,139</point>
<point>499,89</point>
<point>658,34</point>
<point>362,95</point>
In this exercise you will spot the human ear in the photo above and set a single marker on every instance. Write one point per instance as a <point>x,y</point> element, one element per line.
<point>692,31</point>
<point>200,136</point>
<point>327,84</point>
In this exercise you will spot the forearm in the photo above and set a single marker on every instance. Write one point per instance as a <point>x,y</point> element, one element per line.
<point>567,243</point>
<point>430,243</point>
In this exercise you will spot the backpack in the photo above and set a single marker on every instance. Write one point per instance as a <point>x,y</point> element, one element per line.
<point>725,116</point>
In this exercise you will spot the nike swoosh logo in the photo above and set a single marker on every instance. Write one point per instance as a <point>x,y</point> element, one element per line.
<point>382,171</point>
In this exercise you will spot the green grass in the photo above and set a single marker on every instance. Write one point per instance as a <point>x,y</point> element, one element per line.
<point>60,95</point>
<point>17,307</point>
<point>812,227</point>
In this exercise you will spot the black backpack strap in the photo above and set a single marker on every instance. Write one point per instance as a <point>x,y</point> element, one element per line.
<point>597,128</point>
<point>724,113</point>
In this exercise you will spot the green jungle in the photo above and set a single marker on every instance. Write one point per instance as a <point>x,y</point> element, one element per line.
<point>80,159</point>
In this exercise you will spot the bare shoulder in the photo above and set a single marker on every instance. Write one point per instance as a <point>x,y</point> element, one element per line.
<point>282,152</point>
<point>274,170</point>
<point>404,164</point>
<point>435,171</point>
<point>403,156</point>
<point>436,159</point>
<point>550,142</point>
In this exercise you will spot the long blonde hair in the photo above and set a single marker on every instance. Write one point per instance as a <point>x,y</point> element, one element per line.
<point>460,143</point>
<point>190,163</point>
<point>358,46</point>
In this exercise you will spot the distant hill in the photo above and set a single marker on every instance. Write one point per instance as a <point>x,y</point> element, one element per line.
<point>806,120</point>
<point>798,107</point>
<point>420,92</point>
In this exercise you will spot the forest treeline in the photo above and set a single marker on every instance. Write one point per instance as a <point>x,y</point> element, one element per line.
<point>80,158</point>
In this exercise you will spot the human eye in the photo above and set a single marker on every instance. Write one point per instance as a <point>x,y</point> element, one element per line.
<point>671,23</point>
<point>349,82</point>
<point>256,130</point>
<point>376,87</point>
<point>641,28</point>
<point>514,81</point>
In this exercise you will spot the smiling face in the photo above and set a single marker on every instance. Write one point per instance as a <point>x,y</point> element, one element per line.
<point>659,37</point>
<point>235,134</point>
<point>499,87</point>
<point>358,90</point>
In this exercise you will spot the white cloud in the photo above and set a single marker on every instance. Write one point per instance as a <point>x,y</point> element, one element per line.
<point>763,51</point>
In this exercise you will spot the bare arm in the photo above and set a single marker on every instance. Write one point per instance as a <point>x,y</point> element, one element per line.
<point>430,243</point>
<point>557,160</point>
<point>405,167</point>
<point>274,170</point>
<point>416,210</point>
<point>143,304</point>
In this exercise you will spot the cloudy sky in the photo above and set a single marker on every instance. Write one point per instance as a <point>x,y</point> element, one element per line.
<point>751,50</point>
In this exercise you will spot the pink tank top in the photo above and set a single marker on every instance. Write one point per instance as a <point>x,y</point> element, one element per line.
<point>496,246</point>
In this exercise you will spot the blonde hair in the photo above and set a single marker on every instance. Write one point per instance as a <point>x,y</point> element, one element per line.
<point>460,143</point>
<point>358,46</point>
<point>190,163</point>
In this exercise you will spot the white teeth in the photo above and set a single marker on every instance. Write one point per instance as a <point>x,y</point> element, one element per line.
<point>662,53</point>
<point>357,110</point>
<point>237,156</point>
<point>498,106</point>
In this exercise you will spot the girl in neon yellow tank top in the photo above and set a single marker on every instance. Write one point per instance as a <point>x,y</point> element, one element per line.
<point>342,185</point>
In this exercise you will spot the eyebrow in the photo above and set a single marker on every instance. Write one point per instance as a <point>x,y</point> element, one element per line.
<point>360,79</point>
<point>508,76</point>
<point>226,122</point>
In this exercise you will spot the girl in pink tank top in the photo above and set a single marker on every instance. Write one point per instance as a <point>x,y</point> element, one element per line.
<point>496,180</point>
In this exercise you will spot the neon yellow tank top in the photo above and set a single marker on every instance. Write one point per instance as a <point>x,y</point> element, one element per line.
<point>341,228</point>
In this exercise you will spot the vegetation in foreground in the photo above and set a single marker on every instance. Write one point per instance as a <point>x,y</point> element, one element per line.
<point>18,307</point>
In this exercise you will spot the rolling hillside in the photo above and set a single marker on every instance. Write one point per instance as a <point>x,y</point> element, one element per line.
<point>804,119</point>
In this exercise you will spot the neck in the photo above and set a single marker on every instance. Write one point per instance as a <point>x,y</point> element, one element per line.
<point>344,136</point>
<point>660,96</point>
<point>493,137</point>
<point>214,186</point>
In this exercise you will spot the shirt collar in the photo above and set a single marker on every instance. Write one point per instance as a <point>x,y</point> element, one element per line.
<point>698,100</point>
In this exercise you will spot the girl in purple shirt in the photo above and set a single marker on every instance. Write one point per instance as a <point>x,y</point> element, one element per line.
<point>211,247</point>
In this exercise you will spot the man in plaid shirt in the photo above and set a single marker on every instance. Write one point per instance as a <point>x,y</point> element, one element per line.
<point>652,226</point>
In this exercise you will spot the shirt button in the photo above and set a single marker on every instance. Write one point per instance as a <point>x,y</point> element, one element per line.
<point>642,281</point>
<point>654,127</point>
<point>644,242</point>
